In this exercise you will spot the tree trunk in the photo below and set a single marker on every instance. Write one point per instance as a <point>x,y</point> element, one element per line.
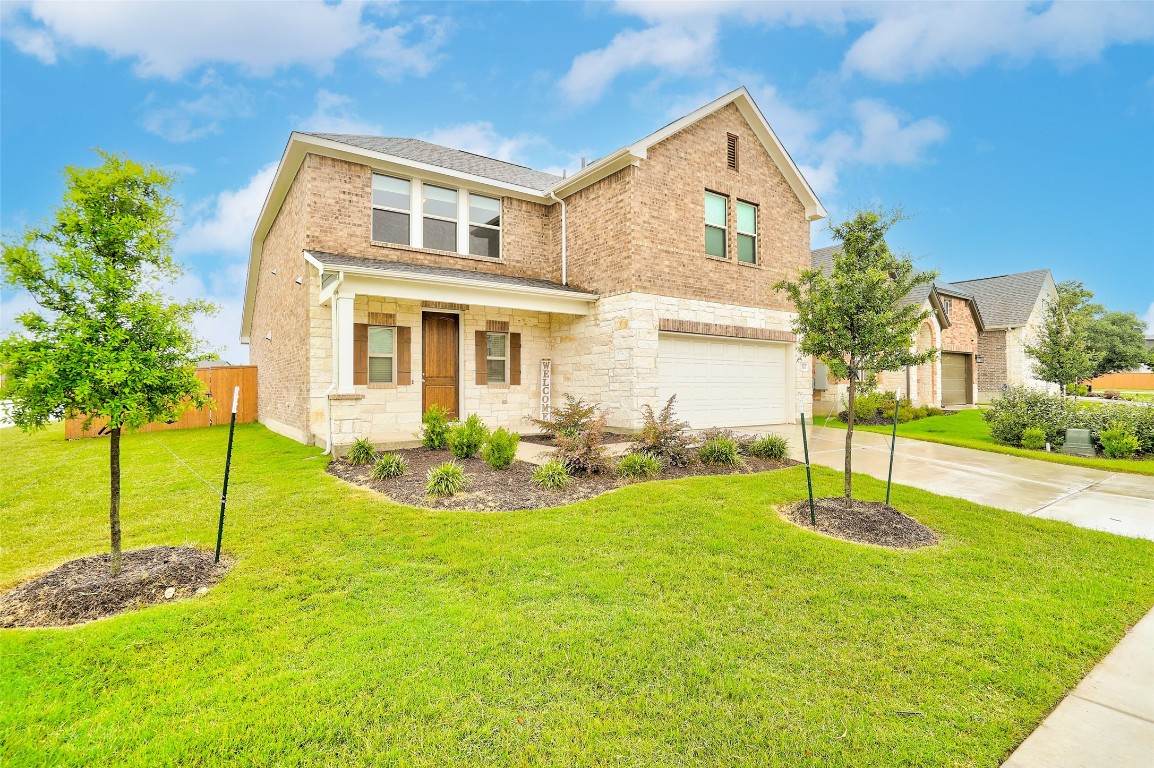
<point>849,419</point>
<point>114,499</point>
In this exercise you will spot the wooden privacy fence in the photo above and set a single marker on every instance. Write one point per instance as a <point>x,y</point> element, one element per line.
<point>220,381</point>
<point>1123,381</point>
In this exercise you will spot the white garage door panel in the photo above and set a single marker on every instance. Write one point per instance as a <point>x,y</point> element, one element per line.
<point>722,382</point>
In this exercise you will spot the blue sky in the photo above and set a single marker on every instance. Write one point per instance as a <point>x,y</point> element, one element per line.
<point>1018,135</point>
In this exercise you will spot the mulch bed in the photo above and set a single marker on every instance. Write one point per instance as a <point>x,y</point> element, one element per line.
<point>608,438</point>
<point>81,590</point>
<point>882,419</point>
<point>864,522</point>
<point>513,488</point>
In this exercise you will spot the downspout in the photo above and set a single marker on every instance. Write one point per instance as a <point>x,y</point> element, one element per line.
<point>564,242</point>
<point>332,387</point>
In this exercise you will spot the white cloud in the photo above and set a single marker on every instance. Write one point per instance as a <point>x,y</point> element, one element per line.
<point>191,119</point>
<point>912,41</point>
<point>482,139</point>
<point>335,114</point>
<point>224,224</point>
<point>169,39</point>
<point>668,47</point>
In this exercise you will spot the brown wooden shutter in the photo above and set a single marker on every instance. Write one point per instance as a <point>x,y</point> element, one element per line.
<point>731,151</point>
<point>482,355</point>
<point>360,353</point>
<point>404,355</point>
<point>514,358</point>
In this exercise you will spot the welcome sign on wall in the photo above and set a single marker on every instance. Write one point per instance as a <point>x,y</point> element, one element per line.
<point>546,390</point>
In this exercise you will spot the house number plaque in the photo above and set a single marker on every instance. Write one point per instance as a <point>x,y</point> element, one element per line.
<point>546,390</point>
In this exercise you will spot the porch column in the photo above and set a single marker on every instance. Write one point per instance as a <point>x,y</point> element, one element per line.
<point>344,361</point>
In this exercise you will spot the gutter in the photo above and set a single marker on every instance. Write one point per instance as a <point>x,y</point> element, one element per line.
<point>564,241</point>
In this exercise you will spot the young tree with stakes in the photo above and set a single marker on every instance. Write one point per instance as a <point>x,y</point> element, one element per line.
<point>107,343</point>
<point>853,318</point>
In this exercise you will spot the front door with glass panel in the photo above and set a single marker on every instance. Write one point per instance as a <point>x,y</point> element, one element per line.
<point>441,354</point>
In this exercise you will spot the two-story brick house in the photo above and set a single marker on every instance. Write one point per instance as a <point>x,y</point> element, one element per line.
<point>389,274</point>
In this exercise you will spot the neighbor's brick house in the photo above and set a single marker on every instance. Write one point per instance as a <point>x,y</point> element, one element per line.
<point>389,274</point>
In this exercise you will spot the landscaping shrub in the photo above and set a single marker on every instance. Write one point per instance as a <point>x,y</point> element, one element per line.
<point>571,419</point>
<point>719,452</point>
<point>435,428</point>
<point>1034,438</point>
<point>1118,442</point>
<point>446,479</point>
<point>1078,390</point>
<point>390,465</point>
<point>1020,408</point>
<point>743,441</point>
<point>865,407</point>
<point>361,452</point>
<point>638,465</point>
<point>772,447</point>
<point>501,448</point>
<point>905,414</point>
<point>664,436</point>
<point>1136,419</point>
<point>584,453</point>
<point>552,475</point>
<point>932,411</point>
<point>466,437</point>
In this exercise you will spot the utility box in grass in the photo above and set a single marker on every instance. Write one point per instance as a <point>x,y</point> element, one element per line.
<point>1078,443</point>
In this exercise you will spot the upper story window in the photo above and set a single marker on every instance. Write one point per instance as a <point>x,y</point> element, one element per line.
<point>716,218</point>
<point>440,212</point>
<point>382,343</point>
<point>746,233</point>
<point>497,358</point>
<point>391,209</point>
<point>946,308</point>
<point>484,226</point>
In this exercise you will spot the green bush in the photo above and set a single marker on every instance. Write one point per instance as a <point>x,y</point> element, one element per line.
<point>932,411</point>
<point>435,428</point>
<point>905,414</point>
<point>1078,390</point>
<point>501,448</point>
<point>1020,408</point>
<point>1034,438</point>
<point>390,465</point>
<point>571,419</point>
<point>772,447</point>
<point>1118,442</point>
<point>664,436</point>
<point>361,452</point>
<point>466,437</point>
<point>1098,417</point>
<point>719,452</point>
<point>446,479</point>
<point>552,475</point>
<point>743,441</point>
<point>584,453</point>
<point>865,407</point>
<point>637,465</point>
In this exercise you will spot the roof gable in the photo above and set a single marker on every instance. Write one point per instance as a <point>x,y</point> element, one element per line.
<point>1007,301</point>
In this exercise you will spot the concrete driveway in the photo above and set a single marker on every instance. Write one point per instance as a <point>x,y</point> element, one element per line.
<point>1089,498</point>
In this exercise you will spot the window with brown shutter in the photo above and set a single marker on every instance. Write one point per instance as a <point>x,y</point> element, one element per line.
<point>480,345</point>
<point>360,353</point>
<point>393,364</point>
<point>404,355</point>
<point>498,357</point>
<point>731,151</point>
<point>514,358</point>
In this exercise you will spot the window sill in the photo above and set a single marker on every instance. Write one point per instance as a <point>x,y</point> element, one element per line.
<point>711,257</point>
<point>435,252</point>
<point>498,385</point>
<point>754,265</point>
<point>383,386</point>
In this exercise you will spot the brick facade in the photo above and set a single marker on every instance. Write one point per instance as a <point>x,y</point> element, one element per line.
<point>991,369</point>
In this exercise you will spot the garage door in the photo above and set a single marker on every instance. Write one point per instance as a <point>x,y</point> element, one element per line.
<point>955,378</point>
<point>722,382</point>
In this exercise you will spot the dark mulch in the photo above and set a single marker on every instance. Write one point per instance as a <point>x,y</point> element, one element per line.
<point>81,590</point>
<point>609,438</point>
<point>880,419</point>
<point>865,522</point>
<point>513,488</point>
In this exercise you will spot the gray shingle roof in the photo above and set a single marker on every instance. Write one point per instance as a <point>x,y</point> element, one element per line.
<point>1007,300</point>
<point>446,157</point>
<point>416,270</point>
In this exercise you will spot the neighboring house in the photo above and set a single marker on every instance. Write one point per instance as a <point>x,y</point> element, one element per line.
<point>953,326</point>
<point>1013,307</point>
<point>389,274</point>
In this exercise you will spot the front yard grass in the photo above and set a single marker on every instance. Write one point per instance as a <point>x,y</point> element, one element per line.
<point>966,429</point>
<point>672,623</point>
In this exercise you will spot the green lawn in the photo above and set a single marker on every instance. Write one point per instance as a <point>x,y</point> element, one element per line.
<point>968,430</point>
<point>672,623</point>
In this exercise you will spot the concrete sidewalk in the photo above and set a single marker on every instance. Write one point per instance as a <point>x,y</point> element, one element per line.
<point>1108,720</point>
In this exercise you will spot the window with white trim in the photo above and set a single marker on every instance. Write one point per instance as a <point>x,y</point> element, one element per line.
<point>946,308</point>
<point>497,358</point>
<point>484,226</point>
<point>746,233</point>
<point>391,209</point>
<point>716,224</point>
<point>382,354</point>
<point>439,205</point>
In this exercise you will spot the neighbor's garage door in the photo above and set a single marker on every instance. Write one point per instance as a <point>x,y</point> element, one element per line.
<point>722,382</point>
<point>955,378</point>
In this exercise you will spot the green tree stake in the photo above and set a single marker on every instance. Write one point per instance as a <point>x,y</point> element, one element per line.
<point>808,475</point>
<point>893,442</point>
<point>227,465</point>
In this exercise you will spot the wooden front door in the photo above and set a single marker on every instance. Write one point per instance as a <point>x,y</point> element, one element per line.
<point>440,337</point>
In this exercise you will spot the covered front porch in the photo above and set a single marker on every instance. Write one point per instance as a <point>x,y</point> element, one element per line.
<point>389,340</point>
